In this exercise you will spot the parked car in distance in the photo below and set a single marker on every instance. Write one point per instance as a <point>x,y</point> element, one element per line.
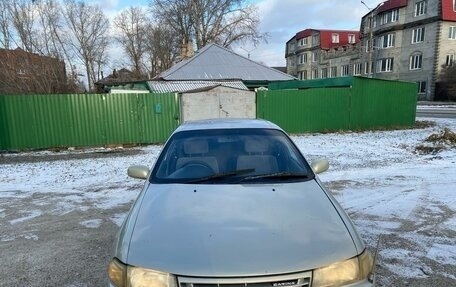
<point>235,203</point>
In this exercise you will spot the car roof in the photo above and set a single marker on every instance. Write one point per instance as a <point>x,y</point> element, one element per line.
<point>226,123</point>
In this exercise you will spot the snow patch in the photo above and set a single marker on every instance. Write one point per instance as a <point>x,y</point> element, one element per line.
<point>9,238</point>
<point>443,253</point>
<point>450,223</point>
<point>91,223</point>
<point>376,176</point>
<point>31,214</point>
<point>404,263</point>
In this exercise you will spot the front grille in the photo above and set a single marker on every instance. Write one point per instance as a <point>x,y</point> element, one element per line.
<point>290,280</point>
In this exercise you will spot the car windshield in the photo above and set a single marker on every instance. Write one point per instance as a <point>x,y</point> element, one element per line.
<point>230,156</point>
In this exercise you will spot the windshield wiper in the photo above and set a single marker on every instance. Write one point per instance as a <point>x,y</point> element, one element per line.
<point>278,175</point>
<point>221,175</point>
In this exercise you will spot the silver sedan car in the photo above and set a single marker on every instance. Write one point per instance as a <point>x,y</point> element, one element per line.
<point>233,203</point>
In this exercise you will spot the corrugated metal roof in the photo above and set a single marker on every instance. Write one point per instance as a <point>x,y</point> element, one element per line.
<point>187,86</point>
<point>214,62</point>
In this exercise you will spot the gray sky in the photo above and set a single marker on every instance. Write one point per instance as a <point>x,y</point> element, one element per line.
<point>282,19</point>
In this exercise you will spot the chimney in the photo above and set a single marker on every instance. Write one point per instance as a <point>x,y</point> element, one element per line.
<point>190,51</point>
<point>186,49</point>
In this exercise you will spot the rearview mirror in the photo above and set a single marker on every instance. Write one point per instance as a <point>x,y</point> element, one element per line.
<point>138,171</point>
<point>320,165</point>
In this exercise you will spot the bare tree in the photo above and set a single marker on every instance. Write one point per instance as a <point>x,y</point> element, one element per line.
<point>23,18</point>
<point>32,60</point>
<point>132,27</point>
<point>52,29</point>
<point>89,28</point>
<point>210,21</point>
<point>162,48</point>
<point>175,14</point>
<point>55,37</point>
<point>446,86</point>
<point>5,24</point>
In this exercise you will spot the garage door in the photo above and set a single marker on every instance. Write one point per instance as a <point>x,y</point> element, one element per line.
<point>218,103</point>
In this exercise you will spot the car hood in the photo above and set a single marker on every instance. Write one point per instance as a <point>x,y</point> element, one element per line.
<point>237,230</point>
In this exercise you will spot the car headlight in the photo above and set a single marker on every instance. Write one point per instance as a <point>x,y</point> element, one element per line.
<point>345,272</point>
<point>122,275</point>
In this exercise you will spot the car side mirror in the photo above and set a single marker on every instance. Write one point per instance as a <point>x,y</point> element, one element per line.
<point>320,165</point>
<point>138,171</point>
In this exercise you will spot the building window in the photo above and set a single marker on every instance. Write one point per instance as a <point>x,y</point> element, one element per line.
<point>449,60</point>
<point>389,17</point>
<point>357,69</point>
<point>303,58</point>
<point>302,75</point>
<point>422,87</point>
<point>315,40</point>
<point>333,72</point>
<point>351,38</point>
<point>418,35</point>
<point>314,74</point>
<point>385,41</point>
<point>367,45</point>
<point>416,61</point>
<point>314,56</point>
<point>335,38</point>
<point>324,73</point>
<point>452,34</point>
<point>454,5</point>
<point>303,42</point>
<point>383,18</point>
<point>366,68</point>
<point>420,8</point>
<point>345,70</point>
<point>395,15</point>
<point>384,65</point>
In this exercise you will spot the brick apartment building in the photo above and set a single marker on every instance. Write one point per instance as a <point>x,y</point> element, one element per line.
<point>409,40</point>
<point>315,54</point>
<point>26,73</point>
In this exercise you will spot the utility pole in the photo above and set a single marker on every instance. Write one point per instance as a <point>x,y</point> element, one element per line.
<point>370,46</point>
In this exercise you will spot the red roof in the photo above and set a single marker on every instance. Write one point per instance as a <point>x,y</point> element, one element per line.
<point>303,34</point>
<point>326,41</point>
<point>326,37</point>
<point>392,4</point>
<point>448,13</point>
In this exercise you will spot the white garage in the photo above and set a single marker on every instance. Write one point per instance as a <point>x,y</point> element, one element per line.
<point>217,102</point>
<point>209,99</point>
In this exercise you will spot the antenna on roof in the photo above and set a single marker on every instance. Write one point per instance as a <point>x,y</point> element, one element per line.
<point>362,2</point>
<point>248,51</point>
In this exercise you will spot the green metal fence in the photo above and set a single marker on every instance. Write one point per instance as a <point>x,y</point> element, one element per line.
<point>44,121</point>
<point>299,111</point>
<point>338,104</point>
<point>381,103</point>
